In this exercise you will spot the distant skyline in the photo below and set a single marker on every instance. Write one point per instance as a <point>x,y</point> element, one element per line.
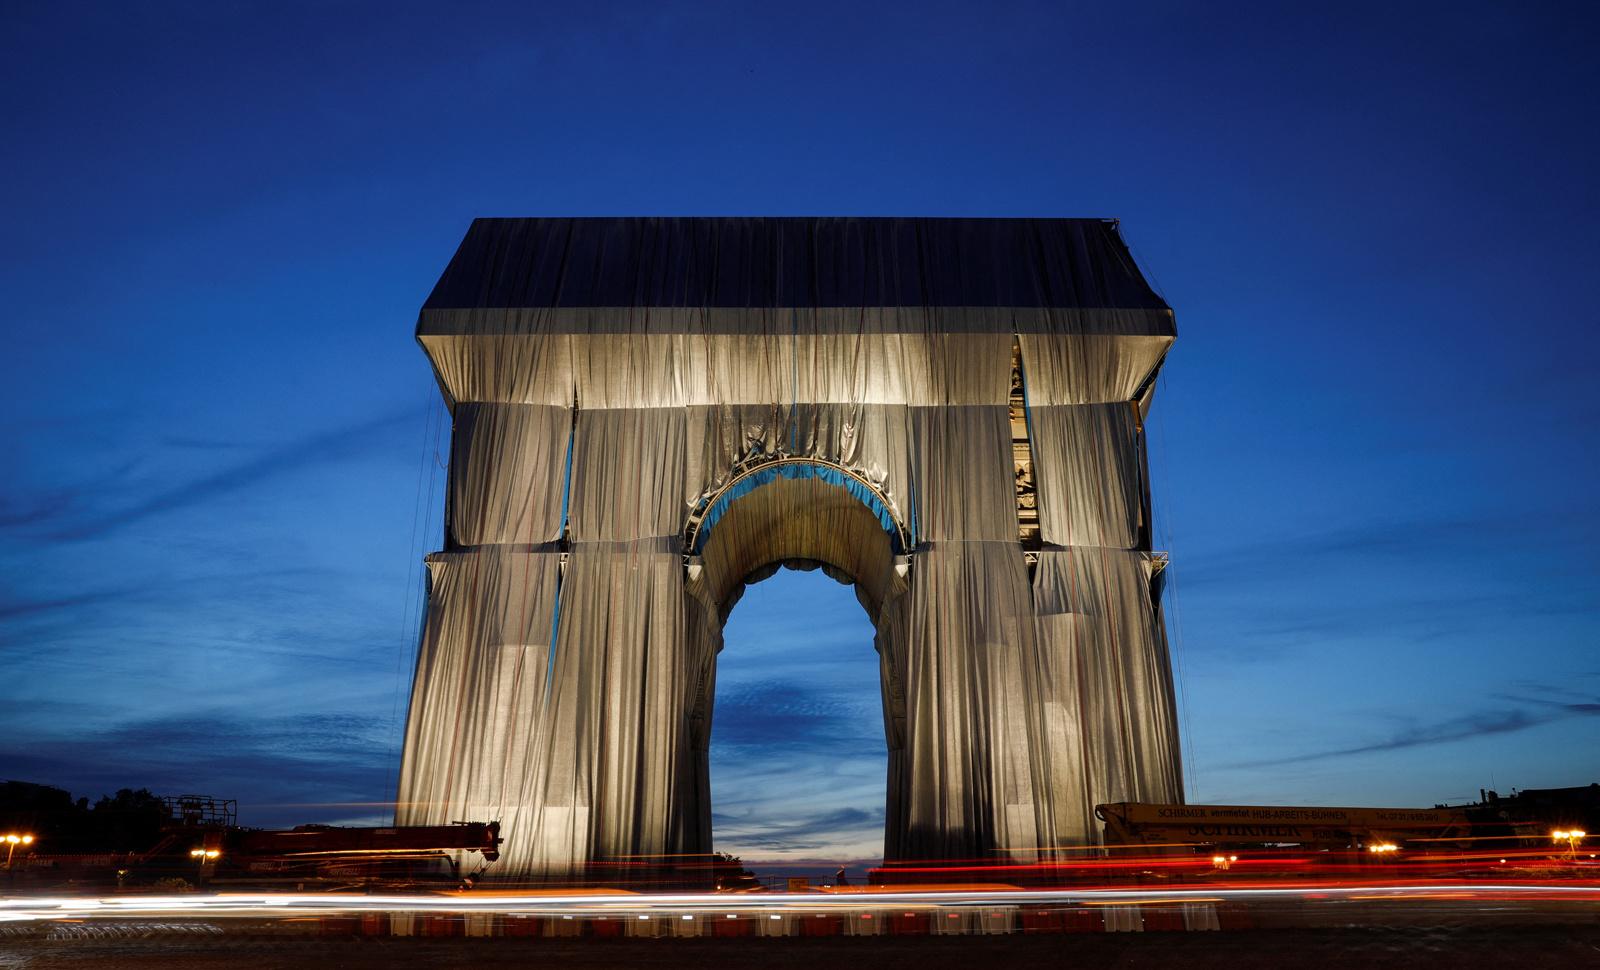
<point>1373,446</point>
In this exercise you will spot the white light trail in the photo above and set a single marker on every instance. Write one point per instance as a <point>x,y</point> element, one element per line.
<point>715,905</point>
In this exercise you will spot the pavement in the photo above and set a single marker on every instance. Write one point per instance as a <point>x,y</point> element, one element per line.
<point>1456,925</point>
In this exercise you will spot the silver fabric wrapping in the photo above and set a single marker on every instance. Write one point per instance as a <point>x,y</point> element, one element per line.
<point>575,703</point>
<point>628,476</point>
<point>871,439</point>
<point>619,761</point>
<point>963,476</point>
<point>913,321</point>
<point>1080,368</point>
<point>479,698</point>
<point>1089,474</point>
<point>966,784</point>
<point>1105,686</point>
<point>786,366</point>
<point>507,473</point>
<point>510,368</point>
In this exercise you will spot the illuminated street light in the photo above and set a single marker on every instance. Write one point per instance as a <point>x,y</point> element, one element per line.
<point>12,840</point>
<point>1571,837</point>
<point>203,856</point>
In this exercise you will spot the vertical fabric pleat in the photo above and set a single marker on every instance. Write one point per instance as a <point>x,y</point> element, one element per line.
<point>618,763</point>
<point>1088,473</point>
<point>507,368</point>
<point>507,473</point>
<point>1104,657</point>
<point>967,785</point>
<point>478,698</point>
<point>628,474</point>
<point>1079,368</point>
<point>963,474</point>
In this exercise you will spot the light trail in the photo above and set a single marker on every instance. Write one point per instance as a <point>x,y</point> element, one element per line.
<point>771,905</point>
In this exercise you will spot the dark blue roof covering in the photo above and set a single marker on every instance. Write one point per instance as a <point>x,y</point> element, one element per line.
<point>792,262</point>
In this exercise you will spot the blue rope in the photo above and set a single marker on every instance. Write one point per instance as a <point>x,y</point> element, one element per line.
<point>795,471</point>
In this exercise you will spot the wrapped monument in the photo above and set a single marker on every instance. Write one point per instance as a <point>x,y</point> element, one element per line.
<point>650,413</point>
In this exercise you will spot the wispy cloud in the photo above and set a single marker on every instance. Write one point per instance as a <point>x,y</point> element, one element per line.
<point>801,833</point>
<point>111,501</point>
<point>779,715</point>
<point>62,502</point>
<point>327,446</point>
<point>1529,712</point>
<point>16,606</point>
<point>197,443</point>
<point>1419,538</point>
<point>798,759</point>
<point>304,614</point>
<point>1267,629</point>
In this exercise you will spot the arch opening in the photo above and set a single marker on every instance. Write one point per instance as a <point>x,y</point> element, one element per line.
<point>798,757</point>
<point>808,520</point>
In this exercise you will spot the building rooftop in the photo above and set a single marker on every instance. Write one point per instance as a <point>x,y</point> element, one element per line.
<point>809,261</point>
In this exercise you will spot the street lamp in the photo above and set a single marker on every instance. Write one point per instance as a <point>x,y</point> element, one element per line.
<point>1571,837</point>
<point>12,841</point>
<point>203,856</point>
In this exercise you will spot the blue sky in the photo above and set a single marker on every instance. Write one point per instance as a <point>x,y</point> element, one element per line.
<point>1373,446</point>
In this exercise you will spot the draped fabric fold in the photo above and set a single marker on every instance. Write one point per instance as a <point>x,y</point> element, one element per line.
<point>968,782</point>
<point>505,368</point>
<point>650,414</point>
<point>1103,658</point>
<point>617,760</point>
<point>628,474</point>
<point>507,473</point>
<point>1089,474</point>
<point>1087,368</point>
<point>478,702</point>
<point>963,474</point>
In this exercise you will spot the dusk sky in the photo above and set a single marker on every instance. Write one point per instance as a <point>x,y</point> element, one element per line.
<point>1373,446</point>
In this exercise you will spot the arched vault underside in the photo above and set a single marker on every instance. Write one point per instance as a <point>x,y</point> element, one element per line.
<point>650,412</point>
